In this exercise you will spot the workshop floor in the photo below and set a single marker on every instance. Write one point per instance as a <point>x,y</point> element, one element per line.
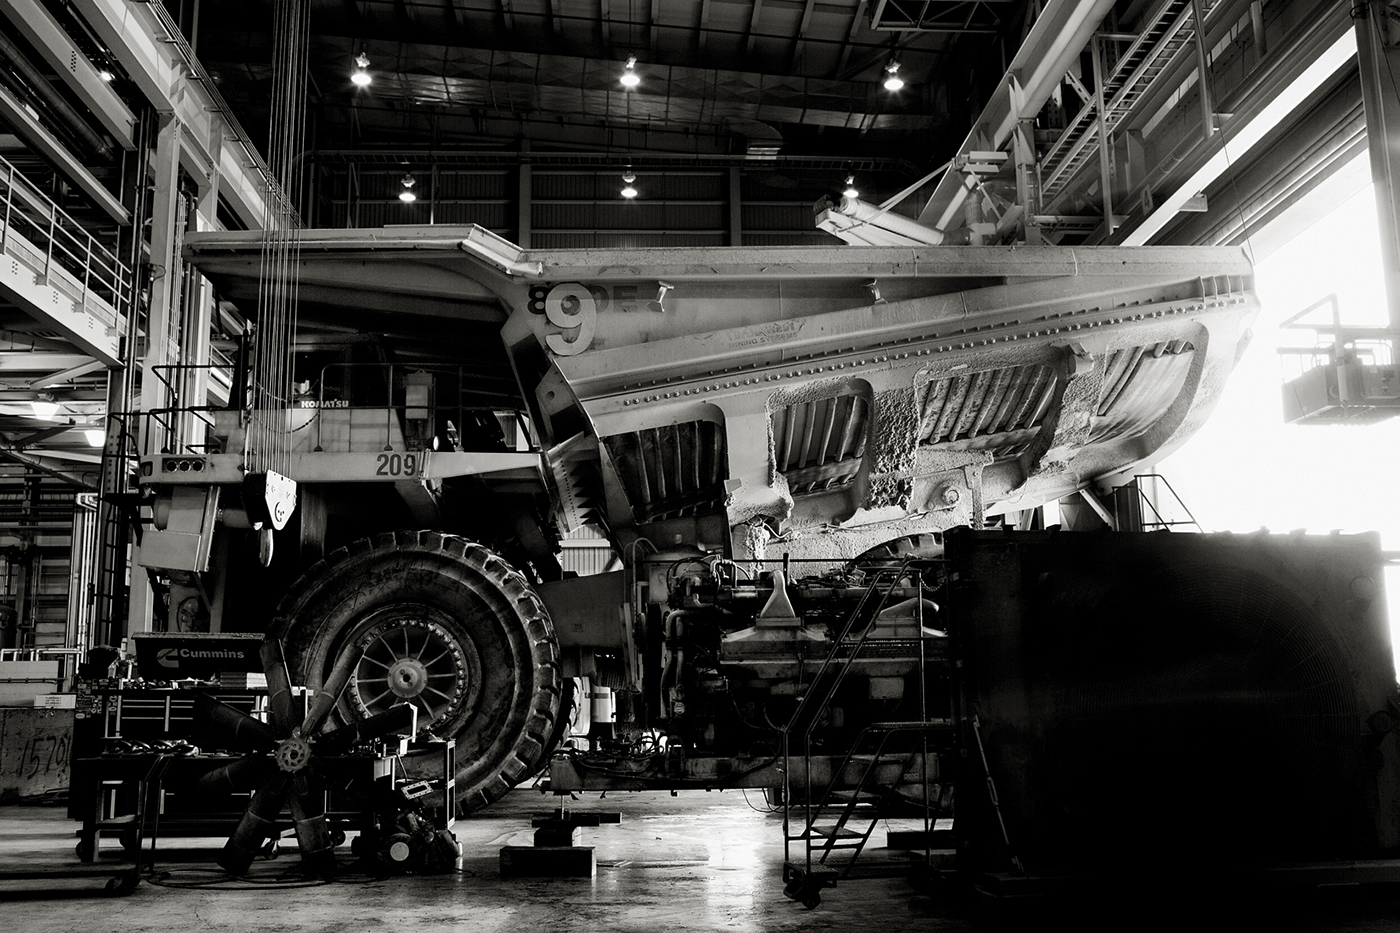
<point>697,861</point>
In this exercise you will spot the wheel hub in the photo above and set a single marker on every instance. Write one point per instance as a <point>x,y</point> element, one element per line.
<point>293,754</point>
<point>412,657</point>
<point>407,677</point>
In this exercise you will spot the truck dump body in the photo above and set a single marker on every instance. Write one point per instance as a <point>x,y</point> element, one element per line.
<point>835,396</point>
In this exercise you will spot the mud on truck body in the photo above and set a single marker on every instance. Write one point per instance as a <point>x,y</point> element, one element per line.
<point>741,424</point>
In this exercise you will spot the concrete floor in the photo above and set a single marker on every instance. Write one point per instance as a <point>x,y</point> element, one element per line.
<point>693,862</point>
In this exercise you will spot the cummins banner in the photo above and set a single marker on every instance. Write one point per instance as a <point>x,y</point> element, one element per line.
<point>170,656</point>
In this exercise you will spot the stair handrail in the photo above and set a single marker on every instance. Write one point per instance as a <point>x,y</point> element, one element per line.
<point>854,651</point>
<point>837,644</point>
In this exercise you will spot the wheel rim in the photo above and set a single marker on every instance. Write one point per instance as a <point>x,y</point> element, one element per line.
<point>414,654</point>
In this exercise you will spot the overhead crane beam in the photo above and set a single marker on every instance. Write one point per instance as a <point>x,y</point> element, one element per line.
<point>37,25</point>
<point>213,149</point>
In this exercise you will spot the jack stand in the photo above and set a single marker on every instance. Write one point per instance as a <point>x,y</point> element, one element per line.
<point>556,852</point>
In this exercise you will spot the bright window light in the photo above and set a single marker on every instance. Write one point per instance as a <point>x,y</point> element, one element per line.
<point>1313,477</point>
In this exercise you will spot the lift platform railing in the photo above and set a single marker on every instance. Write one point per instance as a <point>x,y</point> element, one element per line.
<point>180,418</point>
<point>42,236</point>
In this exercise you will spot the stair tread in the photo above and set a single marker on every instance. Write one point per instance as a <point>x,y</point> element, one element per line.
<point>818,869</point>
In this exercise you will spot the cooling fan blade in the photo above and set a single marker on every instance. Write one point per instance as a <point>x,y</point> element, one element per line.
<point>279,688</point>
<point>259,823</point>
<point>396,720</point>
<point>330,692</point>
<point>228,727</point>
<point>288,776</point>
<point>313,833</point>
<point>243,774</point>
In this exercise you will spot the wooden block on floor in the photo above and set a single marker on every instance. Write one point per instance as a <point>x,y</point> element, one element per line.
<point>918,839</point>
<point>548,862</point>
<point>557,835</point>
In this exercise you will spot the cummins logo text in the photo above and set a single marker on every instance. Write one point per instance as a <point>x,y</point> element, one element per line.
<point>171,657</point>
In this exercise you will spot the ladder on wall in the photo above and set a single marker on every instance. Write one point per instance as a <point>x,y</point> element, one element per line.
<point>117,519</point>
<point>832,816</point>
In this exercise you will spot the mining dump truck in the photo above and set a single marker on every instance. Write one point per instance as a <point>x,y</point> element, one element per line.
<point>744,426</point>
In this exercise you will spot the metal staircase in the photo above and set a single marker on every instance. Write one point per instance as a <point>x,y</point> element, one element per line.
<point>832,815</point>
<point>1164,36</point>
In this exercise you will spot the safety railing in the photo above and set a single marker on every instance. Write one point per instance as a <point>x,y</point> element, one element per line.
<point>451,419</point>
<point>41,235</point>
<point>67,658</point>
<point>1162,506</point>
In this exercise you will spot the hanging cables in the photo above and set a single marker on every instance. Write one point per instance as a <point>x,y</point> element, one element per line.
<point>268,443</point>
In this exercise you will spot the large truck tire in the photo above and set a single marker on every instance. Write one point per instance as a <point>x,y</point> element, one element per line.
<point>443,624</point>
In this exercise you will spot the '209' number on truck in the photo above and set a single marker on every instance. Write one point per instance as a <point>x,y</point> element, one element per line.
<point>397,465</point>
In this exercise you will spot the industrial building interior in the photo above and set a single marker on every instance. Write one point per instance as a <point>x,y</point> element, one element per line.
<point>680,464</point>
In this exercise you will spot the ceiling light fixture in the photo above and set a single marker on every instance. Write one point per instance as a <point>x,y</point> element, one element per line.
<point>628,190</point>
<point>360,77</point>
<point>408,181</point>
<point>106,75</point>
<point>44,410</point>
<point>851,191</point>
<point>893,81</point>
<point>630,78</point>
<point>96,437</point>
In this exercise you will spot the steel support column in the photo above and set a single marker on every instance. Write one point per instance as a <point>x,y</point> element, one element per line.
<point>525,202</point>
<point>1379,61</point>
<point>736,208</point>
<point>164,309</point>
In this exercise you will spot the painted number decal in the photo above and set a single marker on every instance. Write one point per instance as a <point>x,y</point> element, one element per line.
<point>571,306</point>
<point>397,465</point>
